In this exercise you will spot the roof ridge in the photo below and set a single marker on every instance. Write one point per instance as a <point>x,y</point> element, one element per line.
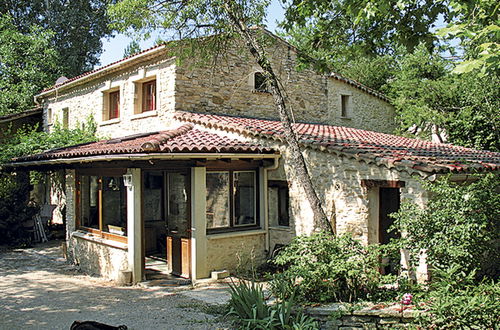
<point>155,143</point>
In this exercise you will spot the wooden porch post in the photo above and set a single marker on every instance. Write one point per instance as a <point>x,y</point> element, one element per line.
<point>134,223</point>
<point>199,268</point>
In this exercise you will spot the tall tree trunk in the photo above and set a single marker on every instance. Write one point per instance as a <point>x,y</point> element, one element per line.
<point>297,159</point>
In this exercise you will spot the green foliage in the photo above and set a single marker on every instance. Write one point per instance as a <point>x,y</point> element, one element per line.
<point>322,268</point>
<point>30,141</point>
<point>78,27</point>
<point>430,100</point>
<point>27,64</point>
<point>132,48</point>
<point>249,305</point>
<point>15,207</point>
<point>459,227</point>
<point>456,301</point>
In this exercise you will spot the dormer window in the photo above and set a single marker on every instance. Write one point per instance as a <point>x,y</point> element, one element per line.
<point>111,105</point>
<point>260,84</point>
<point>149,96</point>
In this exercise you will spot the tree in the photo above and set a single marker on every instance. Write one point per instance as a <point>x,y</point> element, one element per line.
<point>132,48</point>
<point>431,101</point>
<point>27,64</point>
<point>382,25</point>
<point>78,26</point>
<point>219,22</point>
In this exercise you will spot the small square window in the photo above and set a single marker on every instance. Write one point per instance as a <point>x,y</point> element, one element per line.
<point>260,84</point>
<point>49,116</point>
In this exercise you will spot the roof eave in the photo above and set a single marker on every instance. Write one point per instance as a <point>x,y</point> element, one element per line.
<point>119,65</point>
<point>141,156</point>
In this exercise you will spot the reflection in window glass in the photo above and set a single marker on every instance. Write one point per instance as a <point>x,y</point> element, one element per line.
<point>244,198</point>
<point>89,187</point>
<point>153,197</point>
<point>114,212</point>
<point>103,204</point>
<point>217,199</point>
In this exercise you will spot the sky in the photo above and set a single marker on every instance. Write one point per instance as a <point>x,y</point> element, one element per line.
<point>113,48</point>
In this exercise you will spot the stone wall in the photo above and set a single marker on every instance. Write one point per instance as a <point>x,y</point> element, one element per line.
<point>338,316</point>
<point>88,99</point>
<point>229,89</point>
<point>226,88</point>
<point>92,254</point>
<point>235,252</point>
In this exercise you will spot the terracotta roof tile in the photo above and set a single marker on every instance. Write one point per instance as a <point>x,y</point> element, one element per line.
<point>391,150</point>
<point>184,139</point>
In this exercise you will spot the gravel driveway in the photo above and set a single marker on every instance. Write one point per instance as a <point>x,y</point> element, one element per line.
<point>38,290</point>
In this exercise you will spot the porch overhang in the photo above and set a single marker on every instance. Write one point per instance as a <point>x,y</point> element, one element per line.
<point>73,162</point>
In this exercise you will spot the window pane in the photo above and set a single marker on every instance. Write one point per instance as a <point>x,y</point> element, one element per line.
<point>244,198</point>
<point>114,105</point>
<point>178,203</point>
<point>284,218</point>
<point>153,197</point>
<point>89,207</point>
<point>114,205</point>
<point>217,199</point>
<point>149,96</point>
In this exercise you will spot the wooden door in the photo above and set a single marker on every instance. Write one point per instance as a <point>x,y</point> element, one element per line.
<point>178,223</point>
<point>389,203</point>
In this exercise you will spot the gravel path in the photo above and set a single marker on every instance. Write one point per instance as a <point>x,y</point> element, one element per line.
<point>38,290</point>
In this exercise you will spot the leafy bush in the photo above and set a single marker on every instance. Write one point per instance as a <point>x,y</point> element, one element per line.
<point>324,268</point>
<point>456,301</point>
<point>15,207</point>
<point>249,305</point>
<point>459,227</point>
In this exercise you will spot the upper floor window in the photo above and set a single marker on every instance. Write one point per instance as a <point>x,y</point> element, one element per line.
<point>49,116</point>
<point>146,98</point>
<point>114,105</point>
<point>345,105</point>
<point>260,84</point>
<point>111,105</point>
<point>65,118</point>
<point>149,96</point>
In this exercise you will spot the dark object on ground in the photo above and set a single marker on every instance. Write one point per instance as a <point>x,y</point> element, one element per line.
<point>93,325</point>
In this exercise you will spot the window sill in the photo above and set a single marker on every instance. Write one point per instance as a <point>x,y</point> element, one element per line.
<point>99,240</point>
<point>236,234</point>
<point>280,228</point>
<point>110,122</point>
<point>146,114</point>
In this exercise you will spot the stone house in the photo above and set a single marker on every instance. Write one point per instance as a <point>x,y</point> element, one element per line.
<point>194,172</point>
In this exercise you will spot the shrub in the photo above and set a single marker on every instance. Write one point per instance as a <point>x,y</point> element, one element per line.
<point>325,268</point>
<point>249,305</point>
<point>459,227</point>
<point>456,301</point>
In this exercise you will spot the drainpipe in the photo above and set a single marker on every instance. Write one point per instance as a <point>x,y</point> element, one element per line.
<point>274,166</point>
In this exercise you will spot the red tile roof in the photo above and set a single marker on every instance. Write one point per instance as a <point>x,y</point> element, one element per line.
<point>184,139</point>
<point>390,150</point>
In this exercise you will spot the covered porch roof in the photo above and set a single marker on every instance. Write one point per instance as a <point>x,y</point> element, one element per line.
<point>184,142</point>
